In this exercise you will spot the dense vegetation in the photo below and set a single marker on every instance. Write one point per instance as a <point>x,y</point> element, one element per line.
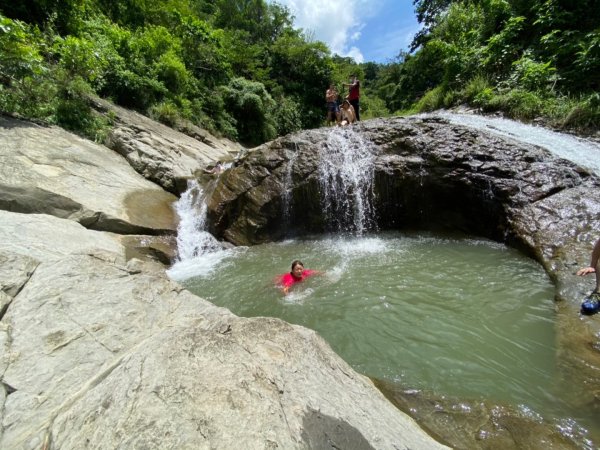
<point>239,68</point>
<point>527,58</point>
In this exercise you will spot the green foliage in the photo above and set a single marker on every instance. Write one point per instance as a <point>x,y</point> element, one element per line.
<point>531,75</point>
<point>475,87</point>
<point>72,110</point>
<point>180,61</point>
<point>252,107</point>
<point>503,48</point>
<point>203,51</point>
<point>20,51</point>
<point>220,63</point>
<point>26,85</point>
<point>166,112</point>
<point>65,16</point>
<point>303,71</point>
<point>528,59</point>
<point>171,72</point>
<point>519,104</point>
<point>287,116</point>
<point>585,114</point>
<point>587,60</point>
<point>79,58</point>
<point>371,107</point>
<point>432,100</point>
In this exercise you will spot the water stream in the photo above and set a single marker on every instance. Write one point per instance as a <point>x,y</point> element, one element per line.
<point>455,315</point>
<point>346,171</point>
<point>583,152</point>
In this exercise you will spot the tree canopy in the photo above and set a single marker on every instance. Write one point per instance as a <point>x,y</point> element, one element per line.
<point>240,68</point>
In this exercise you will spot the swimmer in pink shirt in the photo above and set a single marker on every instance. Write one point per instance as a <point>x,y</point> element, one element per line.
<point>297,274</point>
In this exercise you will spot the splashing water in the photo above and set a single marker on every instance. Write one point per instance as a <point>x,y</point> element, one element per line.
<point>346,173</point>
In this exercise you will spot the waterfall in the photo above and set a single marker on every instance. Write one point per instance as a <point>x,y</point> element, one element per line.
<point>192,237</point>
<point>346,174</point>
<point>582,152</point>
<point>287,189</point>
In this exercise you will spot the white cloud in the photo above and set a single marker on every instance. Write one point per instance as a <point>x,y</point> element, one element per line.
<point>355,54</point>
<point>335,22</point>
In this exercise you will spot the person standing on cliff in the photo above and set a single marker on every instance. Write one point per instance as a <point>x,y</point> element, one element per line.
<point>333,109</point>
<point>354,94</point>
<point>591,303</point>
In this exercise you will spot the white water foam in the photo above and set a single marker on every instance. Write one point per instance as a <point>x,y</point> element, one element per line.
<point>198,251</point>
<point>192,237</point>
<point>199,266</point>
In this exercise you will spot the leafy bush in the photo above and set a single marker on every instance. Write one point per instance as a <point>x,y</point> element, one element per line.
<point>372,106</point>
<point>484,98</point>
<point>72,109</point>
<point>474,88</point>
<point>432,100</point>
<point>252,107</point>
<point>171,72</point>
<point>585,114</point>
<point>519,104</point>
<point>287,116</point>
<point>532,75</point>
<point>166,112</point>
<point>78,56</point>
<point>26,87</point>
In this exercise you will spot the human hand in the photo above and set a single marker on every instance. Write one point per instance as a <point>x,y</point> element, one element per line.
<point>585,271</point>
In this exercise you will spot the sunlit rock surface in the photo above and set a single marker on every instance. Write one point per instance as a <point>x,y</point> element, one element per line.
<point>102,353</point>
<point>162,154</point>
<point>48,170</point>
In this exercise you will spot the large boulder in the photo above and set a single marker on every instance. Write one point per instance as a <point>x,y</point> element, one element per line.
<point>48,170</point>
<point>102,353</point>
<point>161,154</point>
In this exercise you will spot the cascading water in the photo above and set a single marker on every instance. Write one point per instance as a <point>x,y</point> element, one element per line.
<point>346,174</point>
<point>583,152</point>
<point>192,237</point>
<point>493,333</point>
<point>287,189</point>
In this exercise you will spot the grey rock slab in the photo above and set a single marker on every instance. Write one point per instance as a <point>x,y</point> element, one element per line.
<point>49,170</point>
<point>41,238</point>
<point>162,154</point>
<point>107,355</point>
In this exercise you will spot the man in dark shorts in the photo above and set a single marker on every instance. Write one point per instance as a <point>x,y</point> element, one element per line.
<point>333,109</point>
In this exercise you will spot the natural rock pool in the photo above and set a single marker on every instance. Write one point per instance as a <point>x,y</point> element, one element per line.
<point>467,335</point>
<point>458,316</point>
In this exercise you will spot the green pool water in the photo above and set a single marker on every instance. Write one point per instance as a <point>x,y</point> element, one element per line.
<point>457,316</point>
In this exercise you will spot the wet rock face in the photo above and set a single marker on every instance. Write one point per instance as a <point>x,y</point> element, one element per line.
<point>428,174</point>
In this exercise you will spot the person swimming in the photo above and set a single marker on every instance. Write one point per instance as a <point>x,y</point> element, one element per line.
<point>296,275</point>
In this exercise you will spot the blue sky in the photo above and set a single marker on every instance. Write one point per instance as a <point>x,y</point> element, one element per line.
<point>374,30</point>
